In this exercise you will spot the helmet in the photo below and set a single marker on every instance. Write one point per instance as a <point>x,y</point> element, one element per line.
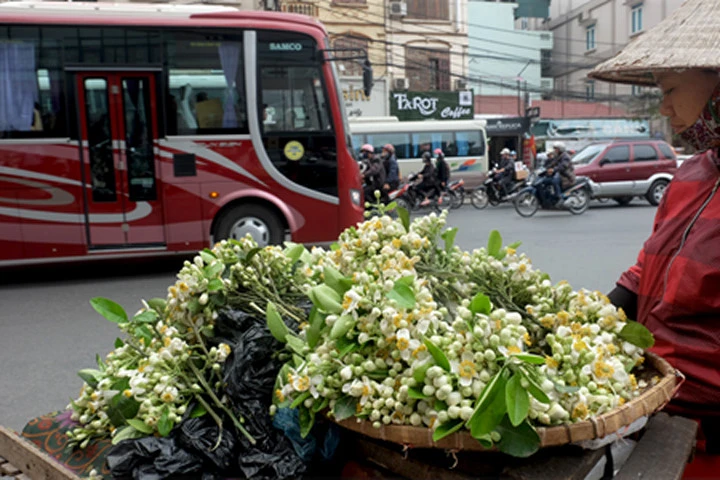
<point>559,146</point>
<point>426,156</point>
<point>438,151</point>
<point>513,152</point>
<point>389,148</point>
<point>367,148</point>
<point>505,151</point>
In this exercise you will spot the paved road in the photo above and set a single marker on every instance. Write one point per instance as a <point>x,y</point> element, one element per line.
<point>48,330</point>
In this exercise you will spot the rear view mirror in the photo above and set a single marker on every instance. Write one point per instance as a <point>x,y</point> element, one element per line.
<point>604,161</point>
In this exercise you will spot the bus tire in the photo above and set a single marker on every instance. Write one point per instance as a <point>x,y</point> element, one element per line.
<point>259,221</point>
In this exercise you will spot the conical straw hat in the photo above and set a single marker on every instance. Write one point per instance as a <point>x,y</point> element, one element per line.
<point>688,38</point>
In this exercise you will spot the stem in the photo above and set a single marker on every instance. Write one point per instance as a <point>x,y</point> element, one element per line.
<point>217,401</point>
<point>215,417</point>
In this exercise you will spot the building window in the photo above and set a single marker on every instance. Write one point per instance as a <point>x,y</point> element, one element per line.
<point>637,90</point>
<point>590,91</point>
<point>428,9</point>
<point>590,38</point>
<point>524,23</point>
<point>427,69</point>
<point>350,68</point>
<point>637,18</point>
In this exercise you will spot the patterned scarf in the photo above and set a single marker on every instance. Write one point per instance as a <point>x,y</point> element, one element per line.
<point>705,132</point>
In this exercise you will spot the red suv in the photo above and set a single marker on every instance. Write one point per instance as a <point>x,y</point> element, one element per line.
<point>622,170</point>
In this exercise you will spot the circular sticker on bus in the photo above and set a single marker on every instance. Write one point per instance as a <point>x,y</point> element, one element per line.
<point>294,150</point>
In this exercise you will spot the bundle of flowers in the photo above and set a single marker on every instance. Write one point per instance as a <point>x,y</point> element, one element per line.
<point>405,328</point>
<point>409,329</point>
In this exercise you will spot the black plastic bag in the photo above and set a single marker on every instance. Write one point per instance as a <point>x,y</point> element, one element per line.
<point>152,458</point>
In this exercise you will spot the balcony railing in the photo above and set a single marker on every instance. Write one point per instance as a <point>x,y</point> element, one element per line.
<point>302,8</point>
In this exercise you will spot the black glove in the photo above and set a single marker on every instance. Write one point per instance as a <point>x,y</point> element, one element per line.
<point>623,298</point>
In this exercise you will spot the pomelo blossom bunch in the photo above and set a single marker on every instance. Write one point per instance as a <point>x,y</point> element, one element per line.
<point>408,329</point>
<point>167,364</point>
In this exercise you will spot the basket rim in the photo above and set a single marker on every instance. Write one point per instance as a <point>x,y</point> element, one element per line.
<point>651,400</point>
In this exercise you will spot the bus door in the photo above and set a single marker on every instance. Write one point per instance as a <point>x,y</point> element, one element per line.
<point>118,129</point>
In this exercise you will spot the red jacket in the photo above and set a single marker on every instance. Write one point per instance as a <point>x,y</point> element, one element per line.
<point>677,283</point>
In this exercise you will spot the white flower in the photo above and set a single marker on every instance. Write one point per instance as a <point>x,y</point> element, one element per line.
<point>346,373</point>
<point>359,388</point>
<point>465,369</point>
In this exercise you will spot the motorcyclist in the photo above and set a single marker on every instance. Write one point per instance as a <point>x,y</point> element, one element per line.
<point>503,170</point>
<point>392,171</point>
<point>560,172</point>
<point>428,183</point>
<point>374,175</point>
<point>442,169</point>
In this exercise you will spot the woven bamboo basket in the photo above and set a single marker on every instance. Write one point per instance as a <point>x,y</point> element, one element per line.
<point>650,400</point>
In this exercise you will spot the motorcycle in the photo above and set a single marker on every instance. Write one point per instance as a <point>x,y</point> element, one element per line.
<point>491,193</point>
<point>410,197</point>
<point>458,188</point>
<point>537,195</point>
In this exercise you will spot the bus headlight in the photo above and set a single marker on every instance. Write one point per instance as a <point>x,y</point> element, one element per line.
<point>355,196</point>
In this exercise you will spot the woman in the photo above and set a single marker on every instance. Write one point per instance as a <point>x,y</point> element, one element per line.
<point>674,288</point>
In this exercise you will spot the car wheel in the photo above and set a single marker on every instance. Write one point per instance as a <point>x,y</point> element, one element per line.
<point>258,221</point>
<point>656,192</point>
<point>622,201</point>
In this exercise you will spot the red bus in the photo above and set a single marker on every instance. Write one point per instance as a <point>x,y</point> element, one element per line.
<point>142,130</point>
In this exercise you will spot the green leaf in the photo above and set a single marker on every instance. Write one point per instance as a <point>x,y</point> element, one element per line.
<point>126,433</point>
<point>294,251</point>
<point>407,280</point>
<point>345,346</point>
<point>144,333</point>
<point>100,363</point>
<point>515,245</point>
<point>122,409</point>
<point>119,343</point>
<point>335,280</point>
<point>449,237</point>
<point>148,316</point>
<point>521,441</point>
<point>319,406</point>
<point>295,343</point>
<point>403,295</point>
<point>91,376</point>
<point>317,323</point>
<point>140,426</point>
<point>404,217</point>
<point>207,256</point>
<point>416,393</point>
<point>342,326</point>
<point>438,355</point>
<point>439,405</point>
<point>194,306</point>
<point>530,358</point>
<point>485,440</point>
<point>637,334</point>
<point>121,384</point>
<point>334,246</point>
<point>391,206</point>
<point>447,428</point>
<point>495,387</point>
<point>419,373</point>
<point>157,304</point>
<point>517,400</point>
<point>481,304</point>
<point>165,425</point>
<point>215,285</point>
<point>277,327</point>
<point>251,253</point>
<point>109,309</point>
<point>214,269</point>
<point>494,245</point>
<point>534,389</point>
<point>307,420</point>
<point>485,420</point>
<point>299,400</point>
<point>198,411</point>
<point>345,407</point>
<point>326,299</point>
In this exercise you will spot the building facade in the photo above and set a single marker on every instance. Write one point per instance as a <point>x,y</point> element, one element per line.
<point>505,58</point>
<point>587,32</point>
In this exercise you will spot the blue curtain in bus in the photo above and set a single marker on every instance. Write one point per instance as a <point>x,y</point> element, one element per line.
<point>230,60</point>
<point>462,140</point>
<point>18,86</point>
<point>437,142</point>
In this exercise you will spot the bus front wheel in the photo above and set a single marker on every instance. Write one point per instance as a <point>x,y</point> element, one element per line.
<point>258,221</point>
